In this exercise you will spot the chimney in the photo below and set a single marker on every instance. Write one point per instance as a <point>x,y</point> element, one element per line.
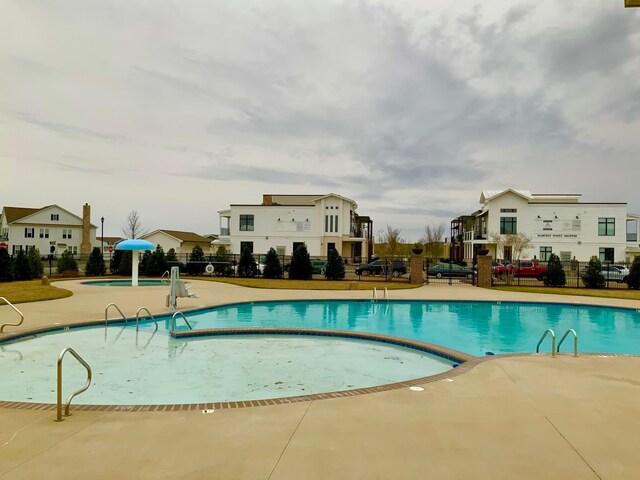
<point>85,246</point>
<point>267,200</point>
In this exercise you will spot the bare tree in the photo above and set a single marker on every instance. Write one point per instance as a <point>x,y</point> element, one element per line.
<point>519,242</point>
<point>433,239</point>
<point>388,240</point>
<point>133,228</point>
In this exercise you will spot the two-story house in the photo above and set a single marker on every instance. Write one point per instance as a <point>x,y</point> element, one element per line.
<point>322,222</point>
<point>50,229</point>
<point>557,223</point>
<point>181,242</point>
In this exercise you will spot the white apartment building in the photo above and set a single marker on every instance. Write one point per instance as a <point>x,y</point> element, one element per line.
<point>557,223</point>
<point>322,222</point>
<point>50,229</point>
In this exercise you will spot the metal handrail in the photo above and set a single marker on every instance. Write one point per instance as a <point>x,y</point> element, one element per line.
<point>167,274</point>
<point>575,341</point>
<point>553,342</point>
<point>106,310</point>
<point>17,311</point>
<point>148,313</point>
<point>386,294</point>
<point>86,385</point>
<point>375,294</point>
<point>173,320</point>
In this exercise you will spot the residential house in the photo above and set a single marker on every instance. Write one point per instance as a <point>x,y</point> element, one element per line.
<point>557,223</point>
<point>322,222</point>
<point>181,242</point>
<point>50,229</point>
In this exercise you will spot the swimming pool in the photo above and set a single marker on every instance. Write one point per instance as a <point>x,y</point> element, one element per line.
<point>124,283</point>
<point>471,327</point>
<point>150,367</point>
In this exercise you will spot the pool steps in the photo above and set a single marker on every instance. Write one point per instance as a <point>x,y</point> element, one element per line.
<point>74,394</point>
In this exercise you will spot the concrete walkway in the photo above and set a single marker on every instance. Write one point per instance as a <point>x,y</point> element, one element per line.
<point>510,417</point>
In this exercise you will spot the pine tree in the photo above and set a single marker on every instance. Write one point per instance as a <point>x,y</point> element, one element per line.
<point>555,275</point>
<point>66,263</point>
<point>335,266</point>
<point>592,276</point>
<point>114,264</point>
<point>35,263</point>
<point>21,267</point>
<point>95,263</point>
<point>196,264</point>
<point>144,260</point>
<point>272,266</point>
<point>157,263</point>
<point>300,267</point>
<point>6,266</point>
<point>125,263</point>
<point>221,262</point>
<point>247,265</point>
<point>171,255</point>
<point>633,279</point>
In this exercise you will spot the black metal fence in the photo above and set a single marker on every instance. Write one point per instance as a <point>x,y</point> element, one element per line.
<point>528,273</point>
<point>442,271</point>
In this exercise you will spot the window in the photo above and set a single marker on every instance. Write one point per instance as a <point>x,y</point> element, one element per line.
<point>29,232</point>
<point>508,210</point>
<point>508,225</point>
<point>44,233</point>
<point>545,253</point>
<point>16,248</point>
<point>330,223</point>
<point>55,217</point>
<point>606,227</point>
<point>66,233</point>
<point>606,254</point>
<point>244,245</point>
<point>246,223</point>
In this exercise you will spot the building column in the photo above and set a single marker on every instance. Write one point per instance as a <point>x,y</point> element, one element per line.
<point>484,271</point>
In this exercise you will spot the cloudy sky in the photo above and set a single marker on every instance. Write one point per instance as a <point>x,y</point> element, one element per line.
<point>410,107</point>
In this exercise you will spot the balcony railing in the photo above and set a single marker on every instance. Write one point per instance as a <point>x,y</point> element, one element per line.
<point>632,237</point>
<point>224,232</point>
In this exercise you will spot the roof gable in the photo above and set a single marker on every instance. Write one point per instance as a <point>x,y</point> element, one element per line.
<point>488,195</point>
<point>179,235</point>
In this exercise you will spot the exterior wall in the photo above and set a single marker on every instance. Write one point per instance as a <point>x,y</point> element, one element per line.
<point>167,242</point>
<point>570,229</point>
<point>42,219</point>
<point>283,225</point>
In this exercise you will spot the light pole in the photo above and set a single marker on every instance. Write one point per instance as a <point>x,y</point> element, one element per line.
<point>102,238</point>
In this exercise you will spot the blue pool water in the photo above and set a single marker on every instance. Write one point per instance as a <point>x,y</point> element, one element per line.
<point>124,283</point>
<point>471,327</point>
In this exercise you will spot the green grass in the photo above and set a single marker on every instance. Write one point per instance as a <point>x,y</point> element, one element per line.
<point>310,284</point>
<point>585,292</point>
<point>31,291</point>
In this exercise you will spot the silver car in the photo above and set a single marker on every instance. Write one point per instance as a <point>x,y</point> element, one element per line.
<point>615,273</point>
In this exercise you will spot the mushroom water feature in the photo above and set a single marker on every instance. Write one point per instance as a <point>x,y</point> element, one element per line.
<point>135,245</point>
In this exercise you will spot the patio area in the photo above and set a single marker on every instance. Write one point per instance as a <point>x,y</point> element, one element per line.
<point>509,417</point>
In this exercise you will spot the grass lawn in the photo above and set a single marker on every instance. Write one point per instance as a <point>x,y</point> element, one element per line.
<point>31,291</point>
<point>585,292</point>
<point>311,284</point>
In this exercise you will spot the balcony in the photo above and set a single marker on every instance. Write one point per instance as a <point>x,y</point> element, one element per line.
<point>224,232</point>
<point>631,237</point>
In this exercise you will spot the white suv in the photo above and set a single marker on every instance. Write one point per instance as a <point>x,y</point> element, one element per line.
<point>615,273</point>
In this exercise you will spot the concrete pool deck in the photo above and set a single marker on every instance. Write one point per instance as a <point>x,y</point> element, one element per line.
<point>509,417</point>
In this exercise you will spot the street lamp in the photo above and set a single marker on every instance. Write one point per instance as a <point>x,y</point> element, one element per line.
<point>102,239</point>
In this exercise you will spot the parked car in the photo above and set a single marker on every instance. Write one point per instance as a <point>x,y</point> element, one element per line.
<point>450,270</point>
<point>523,268</point>
<point>317,266</point>
<point>615,273</point>
<point>379,267</point>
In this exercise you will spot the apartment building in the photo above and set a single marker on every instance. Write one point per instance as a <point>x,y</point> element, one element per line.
<point>322,222</point>
<point>557,223</point>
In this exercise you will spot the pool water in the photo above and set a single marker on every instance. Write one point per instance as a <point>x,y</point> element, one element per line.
<point>147,367</point>
<point>471,327</point>
<point>125,283</point>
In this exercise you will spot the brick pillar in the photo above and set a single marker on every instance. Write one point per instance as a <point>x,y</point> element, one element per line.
<point>85,246</point>
<point>484,270</point>
<point>417,275</point>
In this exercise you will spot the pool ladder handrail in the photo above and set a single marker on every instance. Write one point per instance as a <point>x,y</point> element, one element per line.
<point>386,294</point>
<point>375,295</point>
<point>148,314</point>
<point>106,311</point>
<point>17,311</point>
<point>553,342</point>
<point>173,320</point>
<point>168,274</point>
<point>575,341</point>
<point>73,395</point>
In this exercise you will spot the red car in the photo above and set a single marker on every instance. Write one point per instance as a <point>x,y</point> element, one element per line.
<point>523,268</point>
